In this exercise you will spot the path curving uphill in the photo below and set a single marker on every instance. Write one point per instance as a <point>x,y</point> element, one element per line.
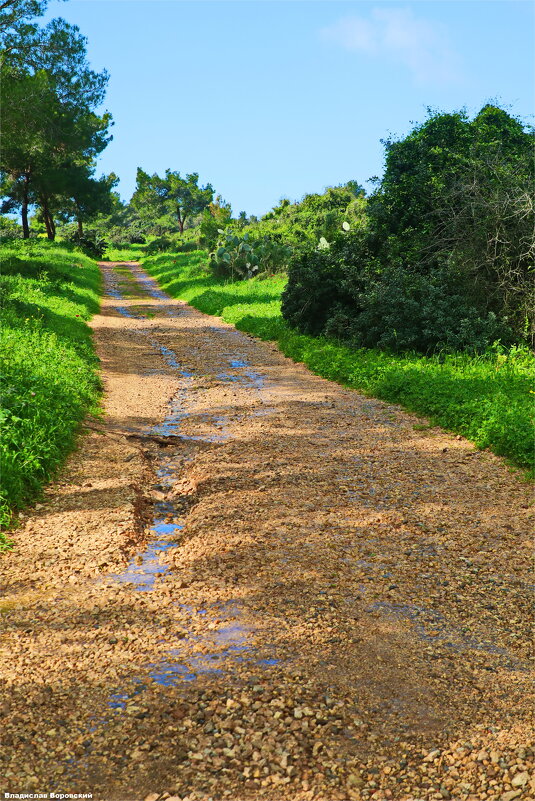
<point>252,583</point>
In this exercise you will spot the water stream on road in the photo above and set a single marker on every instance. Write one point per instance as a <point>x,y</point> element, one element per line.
<point>223,647</point>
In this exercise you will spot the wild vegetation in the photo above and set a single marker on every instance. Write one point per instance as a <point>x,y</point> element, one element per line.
<point>445,259</point>
<point>438,258</point>
<point>48,365</point>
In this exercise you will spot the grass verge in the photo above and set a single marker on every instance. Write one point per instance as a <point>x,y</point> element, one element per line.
<point>488,399</point>
<point>124,253</point>
<point>47,364</point>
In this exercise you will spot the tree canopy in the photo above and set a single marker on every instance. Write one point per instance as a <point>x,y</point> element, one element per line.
<point>171,196</point>
<point>51,131</point>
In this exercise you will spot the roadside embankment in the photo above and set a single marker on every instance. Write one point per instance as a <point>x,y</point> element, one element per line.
<point>48,364</point>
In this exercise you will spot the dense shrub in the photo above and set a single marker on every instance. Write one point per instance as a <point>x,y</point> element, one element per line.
<point>445,259</point>
<point>90,242</point>
<point>159,245</point>
<point>238,257</point>
<point>186,247</point>
<point>9,229</point>
<point>323,282</point>
<point>301,225</point>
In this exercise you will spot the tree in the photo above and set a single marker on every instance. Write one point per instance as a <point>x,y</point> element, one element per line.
<point>187,197</point>
<point>15,16</point>
<point>421,168</point>
<point>215,219</point>
<point>183,198</point>
<point>443,252</point>
<point>149,202</point>
<point>29,109</point>
<point>86,197</point>
<point>50,131</point>
<point>18,30</point>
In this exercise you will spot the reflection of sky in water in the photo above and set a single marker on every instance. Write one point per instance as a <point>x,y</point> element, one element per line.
<point>142,575</point>
<point>248,377</point>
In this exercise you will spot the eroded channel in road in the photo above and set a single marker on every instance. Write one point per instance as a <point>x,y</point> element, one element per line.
<point>230,643</point>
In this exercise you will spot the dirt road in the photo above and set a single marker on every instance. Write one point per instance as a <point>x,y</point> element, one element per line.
<point>252,583</point>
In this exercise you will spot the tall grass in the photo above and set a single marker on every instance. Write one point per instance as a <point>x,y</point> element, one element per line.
<point>489,399</point>
<point>47,364</point>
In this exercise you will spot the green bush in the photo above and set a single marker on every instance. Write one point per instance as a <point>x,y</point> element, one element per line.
<point>159,245</point>
<point>90,242</point>
<point>324,285</point>
<point>444,258</point>
<point>244,257</point>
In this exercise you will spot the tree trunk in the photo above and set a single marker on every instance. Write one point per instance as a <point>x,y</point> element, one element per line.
<point>49,222</point>
<point>80,227</point>
<point>180,220</point>
<point>24,215</point>
<point>24,210</point>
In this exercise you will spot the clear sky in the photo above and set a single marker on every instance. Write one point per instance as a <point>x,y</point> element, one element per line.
<point>283,97</point>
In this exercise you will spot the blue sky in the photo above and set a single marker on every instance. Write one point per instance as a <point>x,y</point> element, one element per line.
<point>276,99</point>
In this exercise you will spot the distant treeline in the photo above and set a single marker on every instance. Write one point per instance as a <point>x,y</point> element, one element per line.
<point>438,257</point>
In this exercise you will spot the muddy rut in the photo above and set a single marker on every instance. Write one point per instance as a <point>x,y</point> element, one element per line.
<point>249,583</point>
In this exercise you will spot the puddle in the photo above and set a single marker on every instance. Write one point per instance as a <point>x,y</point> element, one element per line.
<point>142,570</point>
<point>150,286</point>
<point>231,649</point>
<point>245,374</point>
<point>433,627</point>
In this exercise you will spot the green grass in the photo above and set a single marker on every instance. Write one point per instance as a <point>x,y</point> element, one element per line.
<point>124,253</point>
<point>47,364</point>
<point>488,399</point>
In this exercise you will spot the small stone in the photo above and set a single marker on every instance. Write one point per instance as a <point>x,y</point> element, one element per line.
<point>520,779</point>
<point>151,797</point>
<point>510,795</point>
<point>354,781</point>
<point>113,640</point>
<point>494,757</point>
<point>432,755</point>
<point>482,756</point>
